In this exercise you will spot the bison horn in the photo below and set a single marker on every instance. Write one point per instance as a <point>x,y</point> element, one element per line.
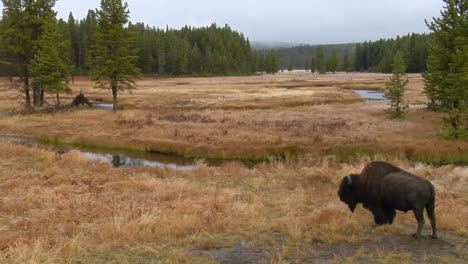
<point>349,179</point>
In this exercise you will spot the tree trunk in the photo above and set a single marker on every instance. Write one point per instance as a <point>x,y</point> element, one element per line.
<point>114,96</point>
<point>26,89</point>
<point>35,94</point>
<point>41,96</point>
<point>58,101</point>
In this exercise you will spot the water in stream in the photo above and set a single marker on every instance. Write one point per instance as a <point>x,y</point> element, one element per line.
<point>371,95</point>
<point>119,160</point>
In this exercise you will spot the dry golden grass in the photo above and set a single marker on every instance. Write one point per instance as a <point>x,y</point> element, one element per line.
<point>248,117</point>
<point>66,209</point>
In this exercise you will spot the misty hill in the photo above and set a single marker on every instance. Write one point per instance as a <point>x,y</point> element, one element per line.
<point>298,54</point>
<point>371,56</point>
<point>271,45</point>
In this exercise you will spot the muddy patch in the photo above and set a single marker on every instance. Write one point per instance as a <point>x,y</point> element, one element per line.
<point>386,248</point>
<point>400,248</point>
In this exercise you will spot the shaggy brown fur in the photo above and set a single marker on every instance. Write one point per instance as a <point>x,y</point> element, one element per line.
<point>383,188</point>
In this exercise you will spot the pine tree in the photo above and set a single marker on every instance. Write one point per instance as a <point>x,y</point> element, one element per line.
<point>272,62</point>
<point>24,21</point>
<point>74,43</point>
<point>196,60</point>
<point>49,68</point>
<point>346,66</point>
<point>114,61</point>
<point>396,88</point>
<point>446,77</point>
<point>313,65</point>
<point>321,67</point>
<point>290,67</point>
<point>332,62</point>
<point>306,66</point>
<point>357,58</point>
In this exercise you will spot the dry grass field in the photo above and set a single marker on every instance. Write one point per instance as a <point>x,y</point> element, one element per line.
<point>64,208</point>
<point>286,115</point>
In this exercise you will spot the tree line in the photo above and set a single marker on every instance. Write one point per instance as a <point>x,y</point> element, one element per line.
<point>46,52</point>
<point>191,51</point>
<point>377,56</point>
<point>369,56</point>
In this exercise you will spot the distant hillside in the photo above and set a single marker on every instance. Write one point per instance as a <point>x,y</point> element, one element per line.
<point>270,45</point>
<point>369,56</point>
<point>298,54</point>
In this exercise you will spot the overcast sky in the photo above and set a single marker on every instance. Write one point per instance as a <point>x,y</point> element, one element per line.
<point>292,21</point>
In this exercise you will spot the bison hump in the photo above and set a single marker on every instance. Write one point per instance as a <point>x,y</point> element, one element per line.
<point>374,172</point>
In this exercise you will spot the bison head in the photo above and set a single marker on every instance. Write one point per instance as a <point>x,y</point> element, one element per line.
<point>348,191</point>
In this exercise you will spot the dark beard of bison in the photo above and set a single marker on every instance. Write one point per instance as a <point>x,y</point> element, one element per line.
<point>348,193</point>
<point>383,216</point>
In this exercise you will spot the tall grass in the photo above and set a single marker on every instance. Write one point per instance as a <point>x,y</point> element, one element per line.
<point>66,209</point>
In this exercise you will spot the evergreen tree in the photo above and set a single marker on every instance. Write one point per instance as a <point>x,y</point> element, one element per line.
<point>75,50</point>
<point>332,62</point>
<point>446,77</point>
<point>313,65</point>
<point>272,62</point>
<point>196,60</point>
<point>363,60</point>
<point>396,88</point>
<point>114,58</point>
<point>306,65</point>
<point>321,67</point>
<point>24,21</point>
<point>357,58</point>
<point>346,65</point>
<point>290,67</point>
<point>49,68</point>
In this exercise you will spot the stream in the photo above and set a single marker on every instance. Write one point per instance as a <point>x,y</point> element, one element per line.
<point>371,95</point>
<point>120,158</point>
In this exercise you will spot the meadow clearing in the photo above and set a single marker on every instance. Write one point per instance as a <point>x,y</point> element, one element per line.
<point>311,129</point>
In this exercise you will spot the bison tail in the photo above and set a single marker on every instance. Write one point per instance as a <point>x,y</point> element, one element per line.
<point>430,209</point>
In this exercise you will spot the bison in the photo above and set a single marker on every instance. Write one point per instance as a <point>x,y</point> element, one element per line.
<point>383,188</point>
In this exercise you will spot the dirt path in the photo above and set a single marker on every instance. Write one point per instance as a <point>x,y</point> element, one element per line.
<point>400,248</point>
<point>388,248</point>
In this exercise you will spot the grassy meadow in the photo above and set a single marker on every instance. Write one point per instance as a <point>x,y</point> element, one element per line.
<point>311,130</point>
<point>251,118</point>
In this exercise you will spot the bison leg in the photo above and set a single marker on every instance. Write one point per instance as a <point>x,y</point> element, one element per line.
<point>431,214</point>
<point>419,214</point>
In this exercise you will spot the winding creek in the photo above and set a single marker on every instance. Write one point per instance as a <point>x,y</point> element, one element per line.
<point>120,160</point>
<point>132,159</point>
<point>128,159</point>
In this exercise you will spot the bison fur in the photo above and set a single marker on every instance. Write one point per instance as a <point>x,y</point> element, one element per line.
<point>383,188</point>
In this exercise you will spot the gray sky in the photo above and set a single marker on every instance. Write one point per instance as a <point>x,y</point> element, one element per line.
<point>292,21</point>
